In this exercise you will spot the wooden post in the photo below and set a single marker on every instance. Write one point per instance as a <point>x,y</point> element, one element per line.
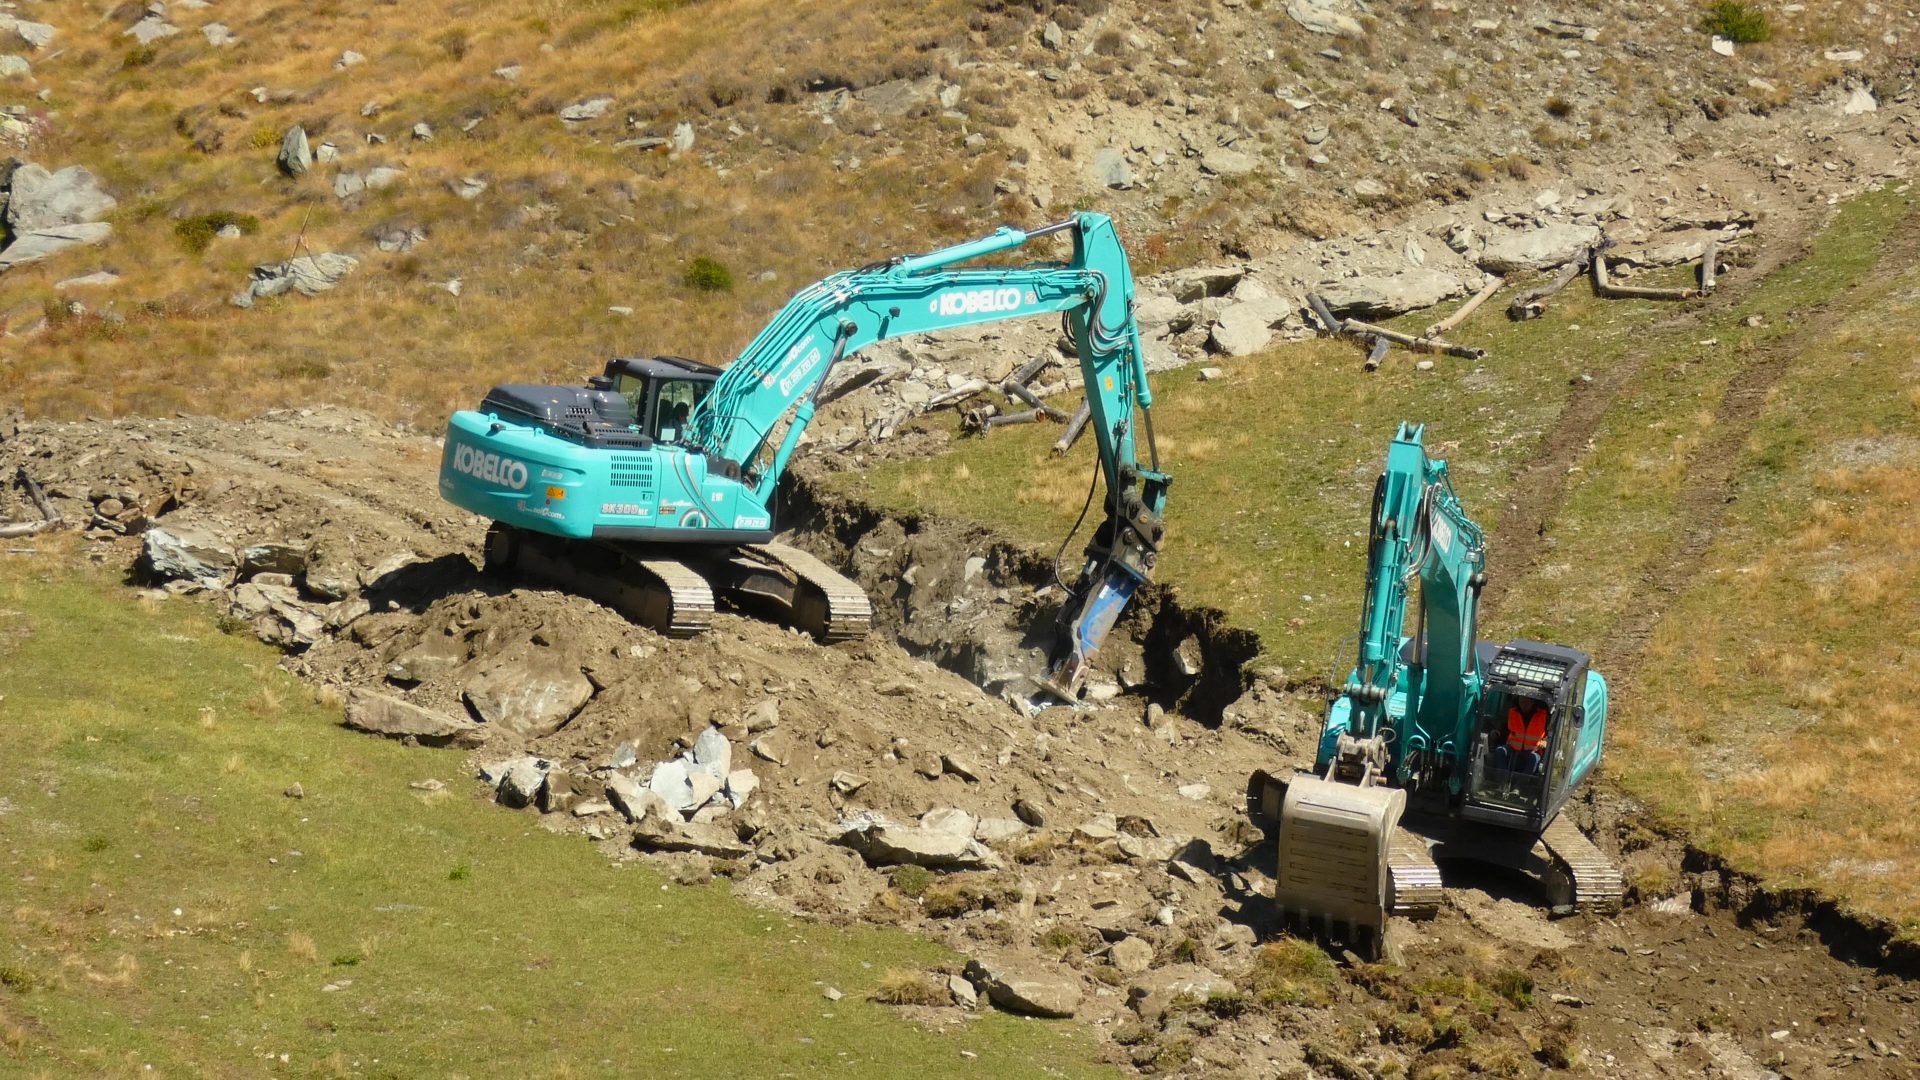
<point>1417,344</point>
<point>1074,427</point>
<point>1530,304</point>
<point>1378,353</point>
<point>1440,328</point>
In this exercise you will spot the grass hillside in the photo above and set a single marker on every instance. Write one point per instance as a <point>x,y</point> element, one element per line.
<point>170,912</point>
<point>825,135</point>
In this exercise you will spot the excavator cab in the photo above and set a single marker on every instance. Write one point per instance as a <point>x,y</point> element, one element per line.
<point>661,392</point>
<point>1533,711</point>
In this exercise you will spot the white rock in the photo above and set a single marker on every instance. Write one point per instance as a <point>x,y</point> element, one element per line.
<point>1723,46</point>
<point>1859,100</point>
<point>713,754</point>
<point>1325,17</point>
<point>1195,792</point>
<point>347,60</point>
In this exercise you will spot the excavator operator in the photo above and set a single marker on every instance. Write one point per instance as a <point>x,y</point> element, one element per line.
<point>1526,733</point>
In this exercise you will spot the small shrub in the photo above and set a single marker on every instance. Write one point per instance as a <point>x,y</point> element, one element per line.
<point>17,979</point>
<point>1035,849</point>
<point>1738,21</point>
<point>1559,107</point>
<point>1109,43</point>
<point>909,988</point>
<point>196,233</point>
<point>138,58</point>
<point>1186,951</point>
<point>962,893</point>
<point>460,873</point>
<point>912,881</point>
<point>347,960</point>
<point>96,843</point>
<point>1227,1004</point>
<point>708,275</point>
<point>263,138</point>
<point>1133,1034</point>
<point>453,42</point>
<point>1476,170</point>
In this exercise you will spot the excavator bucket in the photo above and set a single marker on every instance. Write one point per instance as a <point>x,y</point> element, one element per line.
<point>1334,842</point>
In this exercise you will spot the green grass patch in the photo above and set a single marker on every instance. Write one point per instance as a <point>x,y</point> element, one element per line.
<point>708,275</point>
<point>168,906</point>
<point>1291,971</point>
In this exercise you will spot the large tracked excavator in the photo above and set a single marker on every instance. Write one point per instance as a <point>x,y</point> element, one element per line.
<point>655,483</point>
<point>1438,745</point>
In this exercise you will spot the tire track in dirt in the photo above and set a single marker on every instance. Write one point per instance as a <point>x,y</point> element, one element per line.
<point>1540,488</point>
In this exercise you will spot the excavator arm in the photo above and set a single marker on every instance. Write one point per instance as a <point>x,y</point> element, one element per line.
<point>778,378</point>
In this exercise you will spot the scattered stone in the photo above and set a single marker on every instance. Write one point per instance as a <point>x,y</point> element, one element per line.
<point>1673,905</point>
<point>1859,100</point>
<point>885,843</point>
<point>1211,374</point>
<point>1052,36</point>
<point>558,793</point>
<point>964,995</point>
<point>97,279</point>
<point>764,717</point>
<point>847,783</point>
<point>180,553</point>
<point>681,140</point>
<point>673,783</point>
<point>1030,813</point>
<point>1846,56</point>
<point>1222,161</point>
<point>295,156</point>
<point>1042,994</point>
<point>950,819</point>
<point>294,791</point>
<point>41,243</point>
<point>218,35</point>
<point>14,66</point>
<point>767,750</point>
<point>1132,956</point>
<point>1096,829</point>
<point>423,132</point>
<point>399,238</point>
<point>929,765</point>
<point>384,176</point>
<point>308,275</point>
<point>468,187</point>
<point>631,799</point>
<point>348,59</point>
<point>741,783</point>
<point>528,690</point>
<point>39,199</point>
<point>666,832</point>
<point>1111,170</point>
<point>831,994</point>
<point>1152,994</point>
<point>1723,46</point>
<point>520,783</point>
<point>1390,294</point>
<point>590,109</point>
<point>960,767</point>
<point>1510,250</point>
<point>38,35</point>
<point>427,785</point>
<point>1317,134</point>
<point>591,808</point>
<point>1196,792</point>
<point>150,29</point>
<point>995,829</point>
<point>326,153</point>
<point>1200,282</point>
<point>1246,328</point>
<point>382,714</point>
<point>509,72</point>
<point>1325,17</point>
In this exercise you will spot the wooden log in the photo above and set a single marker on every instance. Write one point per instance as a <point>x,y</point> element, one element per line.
<point>1608,290</point>
<point>1075,426</point>
<point>1334,326</point>
<point>1531,304</point>
<point>1417,344</point>
<point>1025,373</point>
<point>37,494</point>
<point>24,528</point>
<point>1019,390</point>
<point>1378,353</point>
<point>959,393</point>
<point>1709,264</point>
<point>1440,328</point>
<point>1004,419</point>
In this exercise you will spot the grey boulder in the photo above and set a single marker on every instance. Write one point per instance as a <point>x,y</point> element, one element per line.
<point>1390,294</point>
<point>296,157</point>
<point>176,553</point>
<point>884,843</point>
<point>383,714</point>
<point>1510,250</point>
<point>1044,994</point>
<point>308,275</point>
<point>36,245</point>
<point>529,690</point>
<point>38,199</point>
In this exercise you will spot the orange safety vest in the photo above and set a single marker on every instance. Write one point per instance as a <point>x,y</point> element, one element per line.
<point>1528,731</point>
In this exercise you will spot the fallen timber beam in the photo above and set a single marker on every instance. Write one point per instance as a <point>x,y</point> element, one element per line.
<point>1440,329</point>
<point>1531,304</point>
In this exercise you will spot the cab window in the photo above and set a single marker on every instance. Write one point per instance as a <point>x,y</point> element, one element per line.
<point>677,398</point>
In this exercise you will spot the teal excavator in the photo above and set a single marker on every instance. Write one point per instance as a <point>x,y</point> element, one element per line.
<point>1438,744</point>
<point>656,482</point>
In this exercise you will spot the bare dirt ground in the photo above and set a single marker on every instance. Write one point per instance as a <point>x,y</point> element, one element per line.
<point>1114,867</point>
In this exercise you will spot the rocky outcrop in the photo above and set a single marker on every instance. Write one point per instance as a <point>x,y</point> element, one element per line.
<point>1390,294</point>
<point>308,275</point>
<point>179,553</point>
<point>1511,250</point>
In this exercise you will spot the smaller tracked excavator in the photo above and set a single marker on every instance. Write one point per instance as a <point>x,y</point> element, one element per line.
<point>655,483</point>
<point>1438,745</point>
